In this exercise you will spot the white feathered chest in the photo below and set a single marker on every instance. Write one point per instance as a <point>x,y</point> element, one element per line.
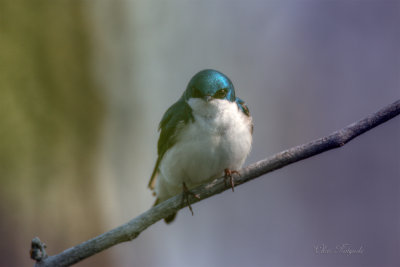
<point>219,138</point>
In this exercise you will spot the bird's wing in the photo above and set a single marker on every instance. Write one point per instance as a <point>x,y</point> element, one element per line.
<point>243,107</point>
<point>172,122</point>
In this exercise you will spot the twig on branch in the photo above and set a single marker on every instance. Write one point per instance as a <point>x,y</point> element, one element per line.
<point>133,228</point>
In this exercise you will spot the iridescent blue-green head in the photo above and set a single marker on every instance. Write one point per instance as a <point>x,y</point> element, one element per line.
<point>210,84</point>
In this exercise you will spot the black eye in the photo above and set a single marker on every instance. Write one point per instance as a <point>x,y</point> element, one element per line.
<point>196,93</point>
<point>220,94</point>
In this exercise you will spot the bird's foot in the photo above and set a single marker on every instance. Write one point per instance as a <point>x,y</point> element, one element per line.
<point>185,197</point>
<point>228,175</point>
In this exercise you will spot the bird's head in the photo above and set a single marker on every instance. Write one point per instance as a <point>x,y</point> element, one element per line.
<point>208,85</point>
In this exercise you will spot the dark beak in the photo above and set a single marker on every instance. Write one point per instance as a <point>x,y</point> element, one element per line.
<point>207,98</point>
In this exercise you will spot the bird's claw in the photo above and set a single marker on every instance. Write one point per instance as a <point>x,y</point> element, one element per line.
<point>186,193</point>
<point>228,174</point>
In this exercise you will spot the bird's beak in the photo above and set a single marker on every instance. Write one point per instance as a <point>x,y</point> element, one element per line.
<point>208,98</point>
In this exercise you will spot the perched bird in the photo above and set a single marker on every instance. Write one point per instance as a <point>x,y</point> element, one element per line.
<point>206,133</point>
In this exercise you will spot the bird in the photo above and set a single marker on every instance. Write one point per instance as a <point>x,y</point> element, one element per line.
<point>206,134</point>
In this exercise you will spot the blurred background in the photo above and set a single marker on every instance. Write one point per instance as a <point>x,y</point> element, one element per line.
<point>83,85</point>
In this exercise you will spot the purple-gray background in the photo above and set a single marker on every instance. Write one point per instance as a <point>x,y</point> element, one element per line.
<point>84,84</point>
<point>305,69</point>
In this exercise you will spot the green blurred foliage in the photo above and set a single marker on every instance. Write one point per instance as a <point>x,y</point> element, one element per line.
<point>50,117</point>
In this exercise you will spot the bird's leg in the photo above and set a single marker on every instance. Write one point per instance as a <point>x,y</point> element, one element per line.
<point>186,193</point>
<point>228,174</point>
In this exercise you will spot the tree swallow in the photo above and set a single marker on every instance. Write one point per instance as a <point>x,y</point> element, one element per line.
<point>206,133</point>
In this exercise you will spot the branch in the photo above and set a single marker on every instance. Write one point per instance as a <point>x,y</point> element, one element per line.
<point>134,227</point>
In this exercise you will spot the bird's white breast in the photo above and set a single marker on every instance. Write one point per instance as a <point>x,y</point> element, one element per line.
<point>220,137</point>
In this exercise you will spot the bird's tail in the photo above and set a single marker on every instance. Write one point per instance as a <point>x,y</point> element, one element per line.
<point>169,219</point>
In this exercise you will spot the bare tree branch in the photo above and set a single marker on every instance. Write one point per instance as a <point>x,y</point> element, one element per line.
<point>133,228</point>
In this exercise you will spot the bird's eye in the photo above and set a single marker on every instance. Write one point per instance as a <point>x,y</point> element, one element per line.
<point>220,94</point>
<point>196,93</point>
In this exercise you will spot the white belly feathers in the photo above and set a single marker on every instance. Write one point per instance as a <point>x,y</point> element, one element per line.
<point>220,137</point>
